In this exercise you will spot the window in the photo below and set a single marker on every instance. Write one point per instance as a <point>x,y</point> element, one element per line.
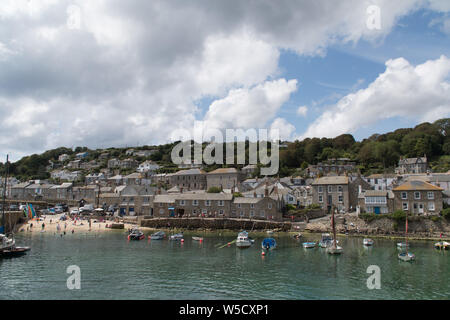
<point>405,205</point>
<point>262,214</point>
<point>204,211</point>
<point>320,189</point>
<point>404,195</point>
<point>195,202</point>
<point>430,195</point>
<point>252,205</point>
<point>252,213</point>
<point>341,199</point>
<point>241,213</point>
<point>416,195</point>
<point>161,204</point>
<point>239,205</point>
<point>181,202</point>
<point>431,206</point>
<point>220,203</point>
<point>340,189</point>
<point>320,198</point>
<point>330,189</point>
<point>220,211</point>
<point>269,206</point>
<point>161,211</point>
<point>207,203</point>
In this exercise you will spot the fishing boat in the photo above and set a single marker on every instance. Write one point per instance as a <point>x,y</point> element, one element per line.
<point>176,237</point>
<point>309,245</point>
<point>14,252</point>
<point>158,235</point>
<point>406,256</point>
<point>6,243</point>
<point>269,244</point>
<point>442,245</point>
<point>333,248</point>
<point>368,242</point>
<point>136,234</point>
<point>197,238</point>
<point>243,241</point>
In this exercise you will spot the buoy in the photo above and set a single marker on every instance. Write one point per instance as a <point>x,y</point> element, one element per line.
<point>182,240</point>
<point>229,244</point>
<point>263,253</point>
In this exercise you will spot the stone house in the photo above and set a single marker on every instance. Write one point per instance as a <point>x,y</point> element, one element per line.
<point>224,178</point>
<point>18,190</point>
<point>412,165</point>
<point>255,208</point>
<point>191,179</point>
<point>418,197</point>
<point>381,181</point>
<point>376,201</point>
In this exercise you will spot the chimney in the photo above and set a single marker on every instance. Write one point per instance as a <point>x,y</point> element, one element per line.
<point>359,189</point>
<point>266,191</point>
<point>254,194</point>
<point>159,190</point>
<point>181,189</point>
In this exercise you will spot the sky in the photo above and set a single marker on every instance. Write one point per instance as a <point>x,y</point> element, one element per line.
<point>113,73</point>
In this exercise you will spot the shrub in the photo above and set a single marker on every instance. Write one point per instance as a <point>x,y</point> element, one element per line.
<point>398,215</point>
<point>290,207</point>
<point>446,213</point>
<point>214,190</point>
<point>368,217</point>
<point>435,218</point>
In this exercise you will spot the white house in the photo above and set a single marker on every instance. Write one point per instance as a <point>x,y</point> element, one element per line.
<point>147,166</point>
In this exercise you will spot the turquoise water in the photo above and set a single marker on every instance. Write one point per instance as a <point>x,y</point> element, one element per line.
<point>113,268</point>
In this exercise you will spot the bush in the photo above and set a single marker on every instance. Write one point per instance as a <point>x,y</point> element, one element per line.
<point>368,217</point>
<point>398,215</point>
<point>446,213</point>
<point>435,218</point>
<point>214,190</point>
<point>290,207</point>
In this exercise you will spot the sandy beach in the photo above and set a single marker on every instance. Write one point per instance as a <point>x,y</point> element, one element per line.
<point>53,224</point>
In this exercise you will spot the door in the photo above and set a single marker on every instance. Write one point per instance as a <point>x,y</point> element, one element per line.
<point>377,210</point>
<point>420,207</point>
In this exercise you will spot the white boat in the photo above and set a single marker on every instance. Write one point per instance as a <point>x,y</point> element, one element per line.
<point>158,235</point>
<point>406,256</point>
<point>197,238</point>
<point>269,231</point>
<point>402,245</point>
<point>368,242</point>
<point>334,249</point>
<point>243,241</point>
<point>326,240</point>
<point>309,245</point>
<point>442,245</point>
<point>176,237</point>
<point>6,243</point>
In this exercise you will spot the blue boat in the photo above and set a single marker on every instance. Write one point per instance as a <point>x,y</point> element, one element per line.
<point>269,244</point>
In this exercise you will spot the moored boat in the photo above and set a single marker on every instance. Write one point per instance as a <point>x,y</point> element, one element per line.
<point>326,240</point>
<point>402,245</point>
<point>243,241</point>
<point>176,237</point>
<point>442,245</point>
<point>197,238</point>
<point>269,244</point>
<point>158,235</point>
<point>136,234</point>
<point>333,248</point>
<point>14,252</point>
<point>368,242</point>
<point>406,256</point>
<point>6,243</point>
<point>309,245</point>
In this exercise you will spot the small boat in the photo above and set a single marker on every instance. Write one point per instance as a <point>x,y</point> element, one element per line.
<point>333,248</point>
<point>309,245</point>
<point>243,241</point>
<point>14,252</point>
<point>158,235</point>
<point>136,234</point>
<point>197,238</point>
<point>368,242</point>
<point>402,245</point>
<point>6,243</point>
<point>326,240</point>
<point>269,231</point>
<point>176,237</point>
<point>269,244</point>
<point>442,245</point>
<point>406,256</point>
<point>297,236</point>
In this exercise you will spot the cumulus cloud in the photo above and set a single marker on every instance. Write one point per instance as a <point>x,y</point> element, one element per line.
<point>421,91</point>
<point>302,111</point>
<point>284,128</point>
<point>132,71</point>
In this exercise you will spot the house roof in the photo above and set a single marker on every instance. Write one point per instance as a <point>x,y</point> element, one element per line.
<point>376,193</point>
<point>412,160</point>
<point>164,198</point>
<point>247,200</point>
<point>382,176</point>
<point>416,185</point>
<point>134,175</point>
<point>331,180</point>
<point>189,171</point>
<point>223,171</point>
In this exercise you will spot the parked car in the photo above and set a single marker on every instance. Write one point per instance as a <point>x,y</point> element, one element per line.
<point>74,211</point>
<point>13,207</point>
<point>64,207</point>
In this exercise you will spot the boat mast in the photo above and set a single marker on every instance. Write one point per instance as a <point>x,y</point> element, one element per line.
<point>334,228</point>
<point>4,195</point>
<point>406,233</point>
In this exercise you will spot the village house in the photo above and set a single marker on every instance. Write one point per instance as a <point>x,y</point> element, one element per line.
<point>113,163</point>
<point>418,197</point>
<point>93,177</point>
<point>18,190</point>
<point>37,191</point>
<point>224,178</point>
<point>412,165</point>
<point>129,164</point>
<point>248,170</point>
<point>82,155</point>
<point>114,181</point>
<point>103,156</point>
<point>63,157</point>
<point>381,181</point>
<point>63,191</point>
<point>376,201</point>
<point>191,179</point>
<point>147,166</point>
<point>255,208</point>
<point>75,164</point>
<point>337,166</point>
<point>303,195</point>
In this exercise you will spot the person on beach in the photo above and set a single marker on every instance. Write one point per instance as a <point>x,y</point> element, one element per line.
<point>58,228</point>
<point>73,231</point>
<point>43,226</point>
<point>65,226</point>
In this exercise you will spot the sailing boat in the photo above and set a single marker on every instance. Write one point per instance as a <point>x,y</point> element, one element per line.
<point>333,248</point>
<point>406,256</point>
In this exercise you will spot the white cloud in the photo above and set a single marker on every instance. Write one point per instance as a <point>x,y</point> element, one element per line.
<point>302,111</point>
<point>421,91</point>
<point>285,129</point>
<point>250,107</point>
